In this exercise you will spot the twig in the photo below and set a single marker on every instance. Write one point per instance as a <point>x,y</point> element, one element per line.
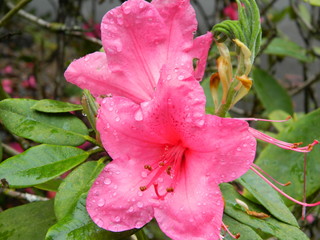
<point>267,7</point>
<point>25,196</point>
<point>305,84</point>
<point>13,11</point>
<point>9,150</point>
<point>56,27</point>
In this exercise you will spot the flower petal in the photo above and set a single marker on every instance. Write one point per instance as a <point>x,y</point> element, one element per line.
<point>115,201</point>
<point>227,146</point>
<point>194,210</point>
<point>91,72</point>
<point>133,36</point>
<point>200,50</point>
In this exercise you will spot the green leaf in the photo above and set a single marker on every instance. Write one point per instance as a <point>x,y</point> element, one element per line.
<point>51,185</point>
<point>1,152</point>
<point>40,164</point>
<point>29,221</point>
<point>286,48</point>
<point>272,95</point>
<point>235,227</point>
<point>75,184</point>
<point>285,165</point>
<point>53,106</point>
<point>78,225</point>
<point>58,129</point>
<point>313,2</point>
<point>268,197</point>
<point>266,228</point>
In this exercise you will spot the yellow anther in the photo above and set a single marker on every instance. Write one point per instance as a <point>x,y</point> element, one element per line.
<point>143,188</point>
<point>148,167</point>
<point>170,189</point>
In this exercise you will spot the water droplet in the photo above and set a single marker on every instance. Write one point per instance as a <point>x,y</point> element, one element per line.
<point>239,149</point>
<point>169,101</point>
<point>180,77</point>
<point>98,221</point>
<point>130,209</point>
<point>86,58</point>
<point>100,202</point>
<point>160,180</point>
<point>141,5</point>
<point>105,26</point>
<point>139,224</point>
<point>117,119</point>
<point>110,109</point>
<point>107,181</point>
<point>115,187</point>
<point>138,115</point>
<point>168,77</point>
<point>200,123</point>
<point>245,145</point>
<point>144,174</point>
<point>117,219</point>
<point>120,20</point>
<point>140,194</point>
<point>133,199</point>
<point>140,204</point>
<point>114,194</point>
<point>117,172</point>
<point>126,9</point>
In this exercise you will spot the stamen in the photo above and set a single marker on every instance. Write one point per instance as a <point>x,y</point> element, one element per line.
<point>264,120</point>
<point>228,231</point>
<point>282,144</point>
<point>303,215</point>
<point>169,170</point>
<point>281,192</point>
<point>269,176</point>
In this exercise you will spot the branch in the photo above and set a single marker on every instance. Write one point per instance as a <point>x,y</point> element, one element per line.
<point>13,11</point>
<point>55,27</point>
<point>305,84</point>
<point>25,196</point>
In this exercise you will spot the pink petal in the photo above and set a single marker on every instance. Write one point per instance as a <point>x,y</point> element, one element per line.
<point>194,210</point>
<point>91,72</point>
<point>134,36</point>
<point>200,50</point>
<point>226,143</point>
<point>115,201</point>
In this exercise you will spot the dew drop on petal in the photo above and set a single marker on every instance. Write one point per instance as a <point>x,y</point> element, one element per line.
<point>200,123</point>
<point>86,58</point>
<point>144,174</point>
<point>138,116</point>
<point>117,119</point>
<point>181,77</point>
<point>140,193</point>
<point>140,204</point>
<point>117,219</point>
<point>100,202</point>
<point>107,181</point>
<point>131,209</point>
<point>239,149</point>
<point>98,221</point>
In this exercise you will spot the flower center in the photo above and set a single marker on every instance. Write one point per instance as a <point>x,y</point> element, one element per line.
<point>168,166</point>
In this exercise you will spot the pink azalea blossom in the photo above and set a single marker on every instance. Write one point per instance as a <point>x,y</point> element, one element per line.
<point>30,82</point>
<point>231,11</point>
<point>168,159</point>
<point>7,85</point>
<point>139,38</point>
<point>96,32</point>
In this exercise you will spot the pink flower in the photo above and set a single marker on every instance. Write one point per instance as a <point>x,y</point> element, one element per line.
<point>168,159</point>
<point>231,11</point>
<point>30,82</point>
<point>7,85</point>
<point>139,38</point>
<point>96,32</point>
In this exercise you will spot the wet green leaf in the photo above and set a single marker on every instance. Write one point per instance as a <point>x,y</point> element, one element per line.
<point>286,48</point>
<point>40,164</point>
<point>51,185</point>
<point>78,225</point>
<point>272,95</point>
<point>267,197</point>
<point>53,106</point>
<point>286,165</point>
<point>29,221</point>
<point>269,227</point>
<point>59,129</point>
<point>235,227</point>
<point>75,184</point>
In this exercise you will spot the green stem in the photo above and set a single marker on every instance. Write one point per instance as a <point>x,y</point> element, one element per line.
<point>141,235</point>
<point>96,150</point>
<point>13,11</point>
<point>92,140</point>
<point>224,108</point>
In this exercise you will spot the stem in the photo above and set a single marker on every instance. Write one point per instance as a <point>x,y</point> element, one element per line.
<point>223,109</point>
<point>9,150</point>
<point>13,11</point>
<point>26,196</point>
<point>141,235</point>
<point>96,150</point>
<point>92,140</point>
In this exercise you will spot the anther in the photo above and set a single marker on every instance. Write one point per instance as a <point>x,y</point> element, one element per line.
<point>143,188</point>
<point>148,167</point>
<point>295,145</point>
<point>161,164</point>
<point>170,189</point>
<point>169,170</point>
